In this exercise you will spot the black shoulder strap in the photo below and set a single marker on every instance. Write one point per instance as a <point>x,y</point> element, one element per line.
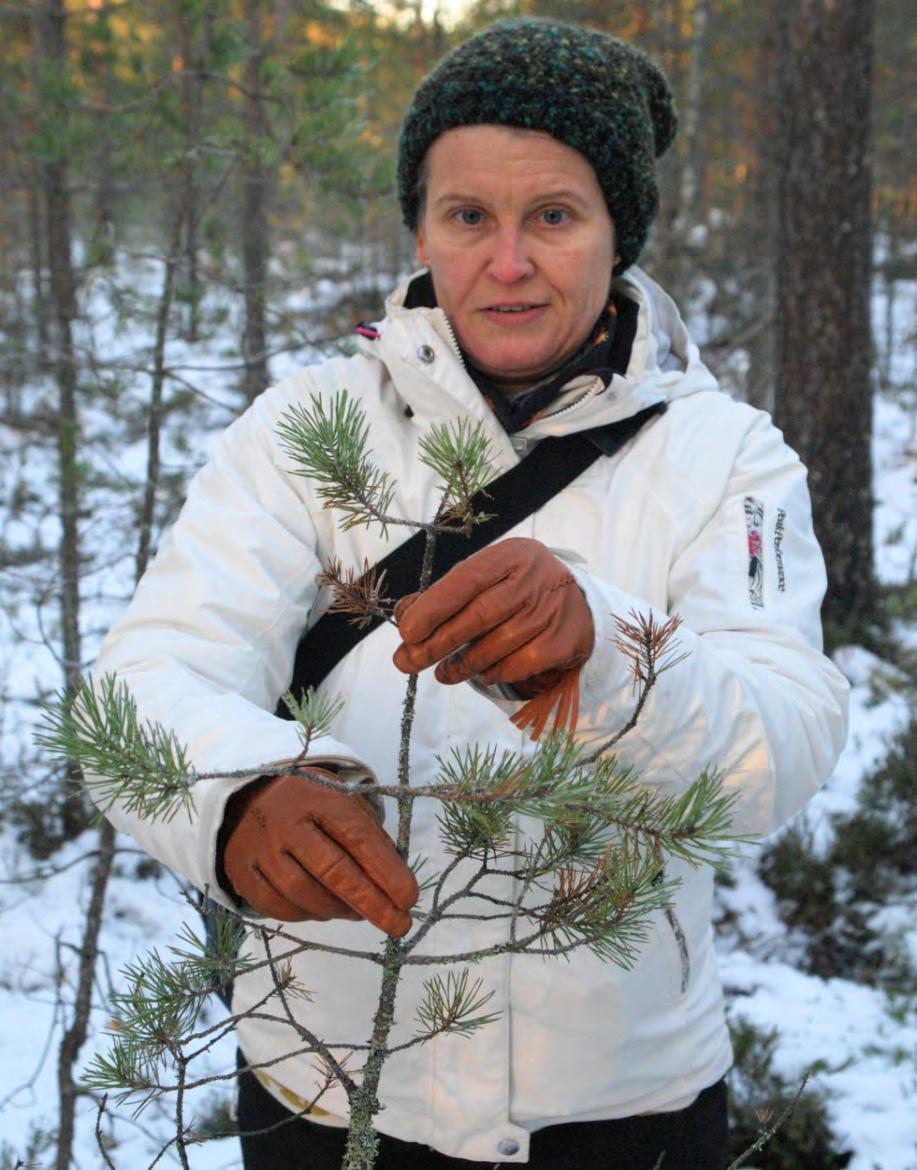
<point>547,470</point>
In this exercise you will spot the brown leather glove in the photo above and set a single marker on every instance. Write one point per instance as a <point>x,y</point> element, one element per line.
<point>511,613</point>
<point>506,614</point>
<point>295,850</point>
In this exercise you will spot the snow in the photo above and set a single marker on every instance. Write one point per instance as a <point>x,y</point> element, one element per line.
<point>862,1041</point>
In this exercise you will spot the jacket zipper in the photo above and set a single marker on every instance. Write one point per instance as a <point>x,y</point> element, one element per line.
<point>587,396</point>
<point>453,340</point>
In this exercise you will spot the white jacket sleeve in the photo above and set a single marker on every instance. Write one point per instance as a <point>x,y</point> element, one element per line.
<point>207,644</point>
<point>754,696</point>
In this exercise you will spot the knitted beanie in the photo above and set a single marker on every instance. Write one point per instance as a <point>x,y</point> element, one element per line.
<point>587,89</point>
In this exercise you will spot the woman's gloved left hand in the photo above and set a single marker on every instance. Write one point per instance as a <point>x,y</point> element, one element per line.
<point>511,613</point>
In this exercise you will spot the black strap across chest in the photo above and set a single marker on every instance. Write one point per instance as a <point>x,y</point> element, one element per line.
<point>518,493</point>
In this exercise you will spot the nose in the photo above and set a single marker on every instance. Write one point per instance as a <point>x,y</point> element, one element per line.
<point>510,260</point>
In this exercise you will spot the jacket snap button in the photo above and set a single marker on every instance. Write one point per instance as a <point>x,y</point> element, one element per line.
<point>426,353</point>
<point>508,1146</point>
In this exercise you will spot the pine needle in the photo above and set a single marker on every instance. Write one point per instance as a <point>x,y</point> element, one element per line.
<point>123,760</point>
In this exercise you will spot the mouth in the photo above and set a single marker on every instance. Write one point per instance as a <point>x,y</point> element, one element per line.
<point>514,308</point>
<point>515,315</point>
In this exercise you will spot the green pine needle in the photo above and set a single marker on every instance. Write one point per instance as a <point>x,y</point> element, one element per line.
<point>452,1005</point>
<point>123,760</point>
<point>584,804</point>
<point>606,908</point>
<point>459,453</point>
<point>329,447</point>
<point>313,712</point>
<point>216,960</point>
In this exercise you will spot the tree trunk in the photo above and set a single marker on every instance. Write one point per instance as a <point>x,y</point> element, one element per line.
<point>104,200</point>
<point>49,30</point>
<point>192,100</point>
<point>824,388</point>
<point>760,226</point>
<point>37,250</point>
<point>690,129</point>
<point>51,50</point>
<point>75,1035</point>
<point>256,184</point>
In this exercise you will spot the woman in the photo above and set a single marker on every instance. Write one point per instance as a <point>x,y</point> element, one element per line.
<point>526,172</point>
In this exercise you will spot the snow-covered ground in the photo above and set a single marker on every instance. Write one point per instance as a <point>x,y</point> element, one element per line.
<point>864,1043</point>
<point>863,1040</point>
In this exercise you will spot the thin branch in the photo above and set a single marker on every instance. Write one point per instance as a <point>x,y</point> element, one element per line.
<point>331,1061</point>
<point>650,649</point>
<point>765,1136</point>
<point>100,1139</point>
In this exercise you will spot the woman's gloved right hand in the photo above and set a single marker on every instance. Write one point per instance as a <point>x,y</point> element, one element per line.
<point>296,850</point>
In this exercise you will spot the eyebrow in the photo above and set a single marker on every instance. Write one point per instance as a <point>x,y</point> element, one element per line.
<point>556,196</point>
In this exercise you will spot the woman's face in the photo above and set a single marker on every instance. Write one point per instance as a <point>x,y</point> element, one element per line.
<point>518,239</point>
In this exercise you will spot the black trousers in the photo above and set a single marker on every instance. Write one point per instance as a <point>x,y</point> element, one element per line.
<point>691,1139</point>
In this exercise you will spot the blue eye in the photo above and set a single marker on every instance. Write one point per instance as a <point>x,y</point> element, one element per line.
<point>554,216</point>
<point>469,216</point>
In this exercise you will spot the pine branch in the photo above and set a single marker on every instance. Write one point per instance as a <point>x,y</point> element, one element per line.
<point>313,712</point>
<point>329,447</point>
<point>362,595</point>
<point>452,1005</point>
<point>765,1136</point>
<point>473,829</point>
<point>141,764</point>
<point>577,797</point>
<point>650,649</point>
<point>159,1009</point>
<point>604,909</point>
<point>459,453</point>
<point>284,984</point>
<point>101,1142</point>
<point>214,961</point>
<point>440,906</point>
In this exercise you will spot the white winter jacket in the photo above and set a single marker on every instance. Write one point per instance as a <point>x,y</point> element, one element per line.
<point>704,514</point>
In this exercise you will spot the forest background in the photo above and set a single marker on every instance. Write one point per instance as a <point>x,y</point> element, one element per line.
<point>197,197</point>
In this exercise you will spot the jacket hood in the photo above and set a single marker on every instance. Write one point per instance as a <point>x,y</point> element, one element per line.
<point>664,364</point>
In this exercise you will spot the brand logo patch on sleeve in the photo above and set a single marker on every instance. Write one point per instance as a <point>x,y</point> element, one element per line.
<point>779,528</point>
<point>754,525</point>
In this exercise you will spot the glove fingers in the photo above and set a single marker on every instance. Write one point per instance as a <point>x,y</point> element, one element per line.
<point>359,834</point>
<point>488,611</point>
<point>535,713</point>
<point>347,878</point>
<point>256,888</point>
<point>403,604</point>
<point>506,654</point>
<point>299,887</point>
<point>426,612</point>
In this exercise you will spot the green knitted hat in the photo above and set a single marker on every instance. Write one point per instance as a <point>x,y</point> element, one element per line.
<point>587,89</point>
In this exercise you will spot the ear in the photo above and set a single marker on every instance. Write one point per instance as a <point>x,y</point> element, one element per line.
<point>422,250</point>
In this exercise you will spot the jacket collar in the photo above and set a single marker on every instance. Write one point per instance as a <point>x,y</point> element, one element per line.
<point>418,345</point>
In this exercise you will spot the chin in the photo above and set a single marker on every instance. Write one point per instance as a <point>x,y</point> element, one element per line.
<point>512,367</point>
